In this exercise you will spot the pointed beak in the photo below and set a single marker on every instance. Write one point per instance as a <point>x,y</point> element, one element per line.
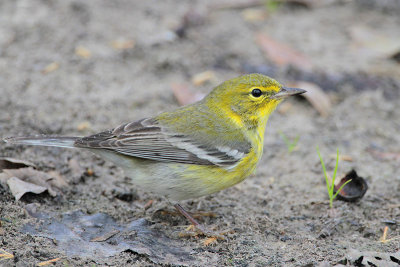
<point>286,91</point>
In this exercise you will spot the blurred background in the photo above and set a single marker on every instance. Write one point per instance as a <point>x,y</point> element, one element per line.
<point>78,67</point>
<point>101,53</point>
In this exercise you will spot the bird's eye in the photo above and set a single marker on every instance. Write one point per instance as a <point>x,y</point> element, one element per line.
<point>256,92</point>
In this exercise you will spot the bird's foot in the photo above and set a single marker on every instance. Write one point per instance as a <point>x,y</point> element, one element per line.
<point>197,228</point>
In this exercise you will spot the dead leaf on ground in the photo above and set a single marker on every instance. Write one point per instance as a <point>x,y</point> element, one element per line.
<point>29,180</point>
<point>75,231</point>
<point>56,180</point>
<point>203,77</point>
<point>123,44</point>
<point>184,95</point>
<point>384,155</point>
<point>83,126</point>
<point>83,52</point>
<point>315,95</point>
<point>76,169</point>
<point>19,188</point>
<point>11,163</point>
<point>50,68</point>
<point>282,54</point>
<point>254,14</point>
<point>370,42</point>
<point>342,157</point>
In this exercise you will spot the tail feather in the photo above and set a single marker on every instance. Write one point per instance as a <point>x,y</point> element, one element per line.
<point>58,141</point>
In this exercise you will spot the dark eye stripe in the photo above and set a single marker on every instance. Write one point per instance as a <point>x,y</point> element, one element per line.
<point>256,92</point>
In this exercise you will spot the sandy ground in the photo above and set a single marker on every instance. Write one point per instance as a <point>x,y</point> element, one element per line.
<point>280,216</point>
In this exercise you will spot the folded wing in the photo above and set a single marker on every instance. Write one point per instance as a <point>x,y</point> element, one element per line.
<point>148,140</point>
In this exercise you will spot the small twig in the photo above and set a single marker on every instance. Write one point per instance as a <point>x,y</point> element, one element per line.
<point>384,235</point>
<point>384,239</point>
<point>44,263</point>
<point>106,236</point>
<point>148,204</point>
<point>5,255</point>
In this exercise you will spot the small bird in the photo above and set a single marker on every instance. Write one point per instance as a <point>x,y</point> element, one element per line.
<point>195,150</point>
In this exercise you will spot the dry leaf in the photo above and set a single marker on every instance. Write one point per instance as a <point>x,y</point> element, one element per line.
<point>121,44</point>
<point>282,54</point>
<point>19,188</point>
<point>203,77</point>
<point>346,158</point>
<point>253,14</point>
<point>342,157</point>
<point>85,125</point>
<point>315,95</point>
<point>370,42</point>
<point>11,163</point>
<point>76,168</point>
<point>73,231</point>
<point>83,52</point>
<point>384,155</point>
<point>56,180</point>
<point>51,67</point>
<point>32,181</point>
<point>184,96</point>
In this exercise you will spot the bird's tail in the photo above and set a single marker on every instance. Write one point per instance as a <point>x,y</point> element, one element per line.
<point>58,141</point>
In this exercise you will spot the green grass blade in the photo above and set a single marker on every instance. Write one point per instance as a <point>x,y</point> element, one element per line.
<point>294,143</point>
<point>325,174</point>
<point>285,139</point>
<point>340,188</point>
<point>336,167</point>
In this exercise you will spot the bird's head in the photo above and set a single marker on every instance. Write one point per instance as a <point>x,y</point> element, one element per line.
<point>249,100</point>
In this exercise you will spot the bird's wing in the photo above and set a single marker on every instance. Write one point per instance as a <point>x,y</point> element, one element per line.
<point>148,140</point>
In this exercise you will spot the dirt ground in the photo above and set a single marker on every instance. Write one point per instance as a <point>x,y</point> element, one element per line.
<point>78,67</point>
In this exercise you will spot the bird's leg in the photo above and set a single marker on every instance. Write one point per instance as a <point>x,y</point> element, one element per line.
<point>195,223</point>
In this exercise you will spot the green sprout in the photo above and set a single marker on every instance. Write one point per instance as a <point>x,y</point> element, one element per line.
<point>272,5</point>
<point>331,185</point>
<point>291,145</point>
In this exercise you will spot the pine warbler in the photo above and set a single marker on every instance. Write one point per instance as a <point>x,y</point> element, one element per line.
<point>194,150</point>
